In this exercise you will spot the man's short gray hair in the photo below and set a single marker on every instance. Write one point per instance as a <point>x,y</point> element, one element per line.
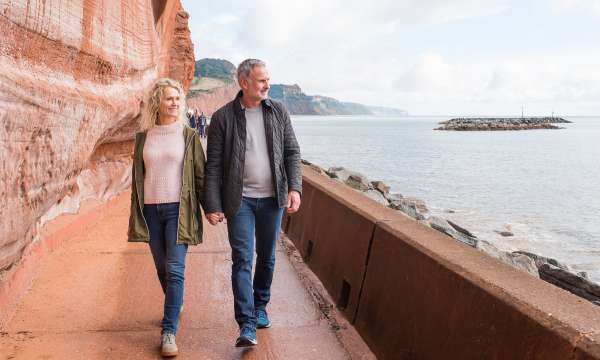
<point>246,66</point>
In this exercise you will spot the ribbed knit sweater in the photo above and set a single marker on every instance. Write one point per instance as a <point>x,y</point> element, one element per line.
<point>163,161</point>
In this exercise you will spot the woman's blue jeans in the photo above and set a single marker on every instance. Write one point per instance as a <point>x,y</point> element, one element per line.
<point>169,258</point>
<point>260,217</point>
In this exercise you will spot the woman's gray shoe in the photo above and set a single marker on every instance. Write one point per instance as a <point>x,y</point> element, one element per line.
<point>168,347</point>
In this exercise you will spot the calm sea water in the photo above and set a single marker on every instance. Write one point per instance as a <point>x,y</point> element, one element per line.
<point>542,185</point>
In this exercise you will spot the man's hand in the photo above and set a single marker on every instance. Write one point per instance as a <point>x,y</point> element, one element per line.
<point>215,218</point>
<point>293,202</point>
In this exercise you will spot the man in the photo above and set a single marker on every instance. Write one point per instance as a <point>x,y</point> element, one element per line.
<point>202,125</point>
<point>191,118</point>
<point>252,173</point>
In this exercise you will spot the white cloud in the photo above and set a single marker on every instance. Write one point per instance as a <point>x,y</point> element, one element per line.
<point>580,6</point>
<point>418,55</point>
<point>225,19</point>
<point>432,75</point>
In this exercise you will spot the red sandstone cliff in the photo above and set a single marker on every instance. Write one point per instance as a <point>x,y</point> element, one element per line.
<point>211,101</point>
<point>72,75</point>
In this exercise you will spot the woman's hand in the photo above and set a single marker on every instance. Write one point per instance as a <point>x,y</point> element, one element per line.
<point>215,218</point>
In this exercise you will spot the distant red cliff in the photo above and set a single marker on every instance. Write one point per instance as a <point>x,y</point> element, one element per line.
<point>210,101</point>
<point>72,82</point>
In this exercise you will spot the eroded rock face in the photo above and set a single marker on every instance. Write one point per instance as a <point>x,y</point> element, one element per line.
<point>72,77</point>
<point>211,101</point>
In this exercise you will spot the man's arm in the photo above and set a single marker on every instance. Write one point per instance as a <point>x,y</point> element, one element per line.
<point>213,174</point>
<point>291,156</point>
<point>199,165</point>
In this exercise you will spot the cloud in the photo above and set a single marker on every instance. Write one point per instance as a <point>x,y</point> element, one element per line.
<point>582,7</point>
<point>408,53</point>
<point>432,75</point>
<point>515,79</point>
<point>224,18</point>
<point>279,23</point>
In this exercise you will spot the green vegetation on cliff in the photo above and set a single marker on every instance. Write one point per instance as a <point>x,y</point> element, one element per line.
<point>216,69</point>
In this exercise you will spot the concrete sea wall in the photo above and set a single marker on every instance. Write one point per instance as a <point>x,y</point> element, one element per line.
<point>415,293</point>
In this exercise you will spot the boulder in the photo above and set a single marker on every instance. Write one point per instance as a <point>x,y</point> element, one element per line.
<point>583,274</point>
<point>571,282</point>
<point>519,261</point>
<point>505,233</point>
<point>315,167</point>
<point>377,196</point>
<point>541,260</point>
<point>419,204</point>
<point>406,207</point>
<point>461,229</point>
<point>381,187</point>
<point>358,182</point>
<point>339,173</point>
<point>443,226</point>
<point>393,196</point>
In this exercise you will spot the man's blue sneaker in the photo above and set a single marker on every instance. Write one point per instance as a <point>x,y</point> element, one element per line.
<point>247,337</point>
<point>262,320</point>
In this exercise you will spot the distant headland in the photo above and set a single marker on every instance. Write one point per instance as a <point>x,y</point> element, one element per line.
<point>502,123</point>
<point>214,85</point>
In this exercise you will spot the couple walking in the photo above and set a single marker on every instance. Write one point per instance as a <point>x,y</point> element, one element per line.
<point>251,175</point>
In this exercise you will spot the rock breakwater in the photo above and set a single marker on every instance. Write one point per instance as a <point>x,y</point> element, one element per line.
<point>495,124</point>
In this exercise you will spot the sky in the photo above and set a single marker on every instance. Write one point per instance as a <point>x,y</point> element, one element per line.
<point>428,57</point>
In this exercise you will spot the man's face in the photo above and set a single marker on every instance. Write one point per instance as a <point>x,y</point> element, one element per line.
<point>256,85</point>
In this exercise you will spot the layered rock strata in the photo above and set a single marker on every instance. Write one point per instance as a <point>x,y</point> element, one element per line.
<point>72,79</point>
<point>210,101</point>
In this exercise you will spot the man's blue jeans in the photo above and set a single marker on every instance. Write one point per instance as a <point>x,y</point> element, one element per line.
<point>260,216</point>
<point>169,258</point>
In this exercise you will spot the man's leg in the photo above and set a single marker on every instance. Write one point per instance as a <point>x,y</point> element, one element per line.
<point>157,243</point>
<point>240,229</point>
<point>268,223</point>
<point>175,268</point>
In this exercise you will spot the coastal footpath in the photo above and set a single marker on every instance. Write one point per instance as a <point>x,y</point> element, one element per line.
<point>495,124</point>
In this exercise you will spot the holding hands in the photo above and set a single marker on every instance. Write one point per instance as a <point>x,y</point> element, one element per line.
<point>215,218</point>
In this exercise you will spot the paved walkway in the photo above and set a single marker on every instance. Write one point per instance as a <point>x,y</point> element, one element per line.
<point>97,297</point>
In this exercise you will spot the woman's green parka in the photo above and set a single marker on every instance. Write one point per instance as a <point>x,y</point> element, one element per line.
<point>189,227</point>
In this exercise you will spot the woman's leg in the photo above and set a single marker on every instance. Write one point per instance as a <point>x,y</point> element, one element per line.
<point>157,242</point>
<point>175,268</point>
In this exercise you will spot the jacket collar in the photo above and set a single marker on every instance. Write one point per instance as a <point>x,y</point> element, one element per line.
<point>239,109</point>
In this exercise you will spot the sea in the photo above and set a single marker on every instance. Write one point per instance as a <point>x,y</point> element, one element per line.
<point>541,185</point>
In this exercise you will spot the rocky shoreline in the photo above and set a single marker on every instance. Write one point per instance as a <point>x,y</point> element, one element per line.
<point>547,269</point>
<point>499,124</point>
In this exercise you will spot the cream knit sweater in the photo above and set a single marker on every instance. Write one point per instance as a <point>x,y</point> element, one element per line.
<point>163,161</point>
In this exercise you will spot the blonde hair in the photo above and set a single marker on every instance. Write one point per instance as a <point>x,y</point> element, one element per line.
<point>150,114</point>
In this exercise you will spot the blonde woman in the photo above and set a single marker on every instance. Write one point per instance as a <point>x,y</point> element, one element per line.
<point>166,188</point>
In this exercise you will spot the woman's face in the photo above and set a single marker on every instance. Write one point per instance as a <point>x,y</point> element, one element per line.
<point>169,105</point>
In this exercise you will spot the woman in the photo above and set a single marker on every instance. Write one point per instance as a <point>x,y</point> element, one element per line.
<point>166,188</point>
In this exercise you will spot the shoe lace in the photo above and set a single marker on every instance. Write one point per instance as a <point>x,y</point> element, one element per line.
<point>246,331</point>
<point>261,314</point>
<point>169,339</point>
